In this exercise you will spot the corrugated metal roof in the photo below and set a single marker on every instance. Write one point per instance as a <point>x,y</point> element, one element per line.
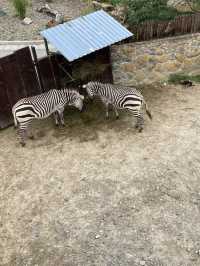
<point>84,35</point>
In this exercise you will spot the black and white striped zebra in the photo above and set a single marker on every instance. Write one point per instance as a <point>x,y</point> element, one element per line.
<point>42,106</point>
<point>120,98</point>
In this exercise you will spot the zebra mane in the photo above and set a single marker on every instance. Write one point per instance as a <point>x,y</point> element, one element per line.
<point>96,82</point>
<point>95,85</point>
<point>70,90</point>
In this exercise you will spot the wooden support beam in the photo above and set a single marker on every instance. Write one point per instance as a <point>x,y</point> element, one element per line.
<point>46,46</point>
<point>50,62</point>
<point>35,60</point>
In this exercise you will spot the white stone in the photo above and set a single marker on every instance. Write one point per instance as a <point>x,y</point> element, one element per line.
<point>59,18</point>
<point>27,21</point>
<point>105,6</point>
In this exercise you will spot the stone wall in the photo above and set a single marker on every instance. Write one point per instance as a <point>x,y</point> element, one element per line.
<point>153,61</point>
<point>180,5</point>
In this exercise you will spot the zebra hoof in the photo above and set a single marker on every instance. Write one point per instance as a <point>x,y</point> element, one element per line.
<point>23,144</point>
<point>31,137</point>
<point>63,125</point>
<point>140,129</point>
<point>117,117</point>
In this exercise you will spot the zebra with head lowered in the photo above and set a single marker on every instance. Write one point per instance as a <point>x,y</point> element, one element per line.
<point>120,98</point>
<point>42,106</point>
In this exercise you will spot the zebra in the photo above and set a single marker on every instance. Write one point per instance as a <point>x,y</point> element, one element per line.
<point>120,98</point>
<point>42,106</point>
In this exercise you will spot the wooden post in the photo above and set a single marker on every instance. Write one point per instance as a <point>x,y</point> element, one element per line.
<point>110,63</point>
<point>46,46</point>
<point>35,61</point>
<point>50,62</point>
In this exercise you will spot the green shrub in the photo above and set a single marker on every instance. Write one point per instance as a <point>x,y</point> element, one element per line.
<point>20,7</point>
<point>177,78</point>
<point>139,11</point>
<point>116,2</point>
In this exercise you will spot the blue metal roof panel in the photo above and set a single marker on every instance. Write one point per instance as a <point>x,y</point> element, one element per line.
<point>84,35</point>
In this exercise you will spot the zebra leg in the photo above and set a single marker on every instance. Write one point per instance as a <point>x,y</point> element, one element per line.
<point>56,116</point>
<point>107,110</point>
<point>140,122</point>
<point>31,136</point>
<point>106,103</point>
<point>62,119</point>
<point>116,112</point>
<point>22,133</point>
<point>61,116</point>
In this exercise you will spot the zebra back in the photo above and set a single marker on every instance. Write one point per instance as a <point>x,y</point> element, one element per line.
<point>43,104</point>
<point>105,89</point>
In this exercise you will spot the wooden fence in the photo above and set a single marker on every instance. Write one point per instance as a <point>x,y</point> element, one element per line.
<point>18,79</point>
<point>158,29</point>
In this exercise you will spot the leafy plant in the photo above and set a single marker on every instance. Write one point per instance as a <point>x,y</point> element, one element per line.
<point>178,77</point>
<point>116,2</point>
<point>20,7</point>
<point>142,10</point>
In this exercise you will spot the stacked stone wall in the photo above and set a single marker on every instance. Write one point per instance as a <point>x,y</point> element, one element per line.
<point>154,61</point>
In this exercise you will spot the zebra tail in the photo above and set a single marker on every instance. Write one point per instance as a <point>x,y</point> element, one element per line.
<point>148,111</point>
<point>15,119</point>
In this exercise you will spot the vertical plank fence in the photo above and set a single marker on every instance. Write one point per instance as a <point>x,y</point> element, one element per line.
<point>158,29</point>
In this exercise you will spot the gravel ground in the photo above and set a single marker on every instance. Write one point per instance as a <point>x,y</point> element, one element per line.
<point>99,193</point>
<point>11,27</point>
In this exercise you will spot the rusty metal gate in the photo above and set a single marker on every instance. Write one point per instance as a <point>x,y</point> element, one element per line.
<point>18,79</point>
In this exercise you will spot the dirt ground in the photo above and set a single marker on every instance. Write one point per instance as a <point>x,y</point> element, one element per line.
<point>98,193</point>
<point>12,28</point>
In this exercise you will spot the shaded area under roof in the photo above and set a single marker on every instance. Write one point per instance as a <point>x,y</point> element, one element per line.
<point>87,34</point>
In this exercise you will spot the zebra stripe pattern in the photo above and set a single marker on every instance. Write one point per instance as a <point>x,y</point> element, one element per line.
<point>42,106</point>
<point>120,98</point>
